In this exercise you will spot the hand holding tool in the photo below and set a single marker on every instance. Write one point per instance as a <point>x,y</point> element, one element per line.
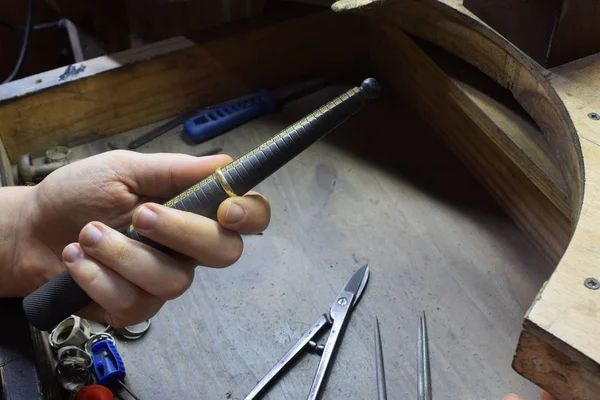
<point>337,318</point>
<point>61,296</point>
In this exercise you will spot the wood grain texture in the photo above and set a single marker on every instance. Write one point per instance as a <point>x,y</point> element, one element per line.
<point>450,26</point>
<point>6,178</point>
<point>474,125</point>
<point>214,70</point>
<point>565,308</point>
<point>395,198</point>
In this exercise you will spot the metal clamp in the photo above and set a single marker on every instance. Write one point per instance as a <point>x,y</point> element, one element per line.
<point>72,331</point>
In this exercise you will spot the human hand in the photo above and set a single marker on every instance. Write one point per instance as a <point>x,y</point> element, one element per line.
<point>75,216</point>
<point>544,396</point>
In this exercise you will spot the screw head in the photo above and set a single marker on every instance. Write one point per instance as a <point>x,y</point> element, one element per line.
<point>343,301</point>
<point>592,283</point>
<point>594,116</point>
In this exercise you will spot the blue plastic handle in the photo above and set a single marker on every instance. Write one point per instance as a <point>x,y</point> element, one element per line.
<point>107,362</point>
<point>219,120</point>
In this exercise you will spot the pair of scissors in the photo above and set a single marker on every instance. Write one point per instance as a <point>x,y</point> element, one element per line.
<point>337,318</point>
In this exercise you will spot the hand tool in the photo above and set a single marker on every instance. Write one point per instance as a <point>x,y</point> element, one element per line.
<point>337,317</point>
<point>220,119</point>
<point>108,365</point>
<point>162,129</point>
<point>379,368</point>
<point>29,173</point>
<point>423,370</point>
<point>61,296</point>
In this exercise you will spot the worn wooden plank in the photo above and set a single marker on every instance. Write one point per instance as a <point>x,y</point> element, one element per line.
<point>564,316</point>
<point>477,127</point>
<point>395,198</point>
<point>450,26</point>
<point>218,68</point>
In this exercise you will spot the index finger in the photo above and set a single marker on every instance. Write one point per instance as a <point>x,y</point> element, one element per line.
<point>163,175</point>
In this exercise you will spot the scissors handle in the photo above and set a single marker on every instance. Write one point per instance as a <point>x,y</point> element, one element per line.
<point>289,356</point>
<point>339,313</point>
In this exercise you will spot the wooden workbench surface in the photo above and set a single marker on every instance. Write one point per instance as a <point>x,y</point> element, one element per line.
<point>380,189</point>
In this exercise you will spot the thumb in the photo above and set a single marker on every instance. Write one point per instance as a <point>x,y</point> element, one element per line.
<point>512,397</point>
<point>162,175</point>
<point>546,396</point>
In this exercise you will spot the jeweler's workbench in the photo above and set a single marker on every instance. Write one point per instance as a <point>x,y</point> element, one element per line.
<point>468,187</point>
<point>433,239</point>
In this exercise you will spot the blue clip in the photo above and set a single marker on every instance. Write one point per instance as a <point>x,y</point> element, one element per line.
<point>108,365</point>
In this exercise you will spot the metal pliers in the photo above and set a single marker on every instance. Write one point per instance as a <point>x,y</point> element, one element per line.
<point>337,318</point>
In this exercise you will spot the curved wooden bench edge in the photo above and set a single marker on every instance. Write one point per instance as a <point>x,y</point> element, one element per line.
<point>558,348</point>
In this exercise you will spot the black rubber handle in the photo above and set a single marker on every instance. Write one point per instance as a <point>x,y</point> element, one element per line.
<point>61,296</point>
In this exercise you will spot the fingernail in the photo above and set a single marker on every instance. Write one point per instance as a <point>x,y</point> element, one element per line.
<point>90,236</point>
<point>234,213</point>
<point>72,253</point>
<point>145,218</point>
<point>511,396</point>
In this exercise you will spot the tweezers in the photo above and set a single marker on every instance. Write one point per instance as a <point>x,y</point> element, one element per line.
<point>423,369</point>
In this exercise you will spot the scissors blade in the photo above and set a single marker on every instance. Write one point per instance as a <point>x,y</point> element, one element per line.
<point>288,357</point>
<point>357,282</point>
<point>340,310</point>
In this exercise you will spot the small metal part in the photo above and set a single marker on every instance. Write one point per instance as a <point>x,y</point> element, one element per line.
<point>423,370</point>
<point>224,184</point>
<point>379,367</point>
<point>134,332</point>
<point>95,339</point>
<point>72,331</point>
<point>74,368</point>
<point>316,347</point>
<point>58,153</point>
<point>343,301</point>
<point>592,283</point>
<point>74,352</point>
<point>594,116</point>
<point>97,328</point>
<point>28,173</point>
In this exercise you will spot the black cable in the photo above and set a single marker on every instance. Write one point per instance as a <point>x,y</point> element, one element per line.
<point>24,45</point>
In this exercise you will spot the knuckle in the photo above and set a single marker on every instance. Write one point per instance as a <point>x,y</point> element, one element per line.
<point>121,251</point>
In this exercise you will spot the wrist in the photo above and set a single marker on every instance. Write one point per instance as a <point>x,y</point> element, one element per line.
<point>13,203</point>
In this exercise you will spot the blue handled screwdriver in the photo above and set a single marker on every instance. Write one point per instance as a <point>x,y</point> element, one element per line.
<point>220,119</point>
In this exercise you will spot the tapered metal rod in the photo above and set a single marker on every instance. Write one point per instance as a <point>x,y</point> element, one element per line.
<point>380,370</point>
<point>61,296</point>
<point>423,369</point>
